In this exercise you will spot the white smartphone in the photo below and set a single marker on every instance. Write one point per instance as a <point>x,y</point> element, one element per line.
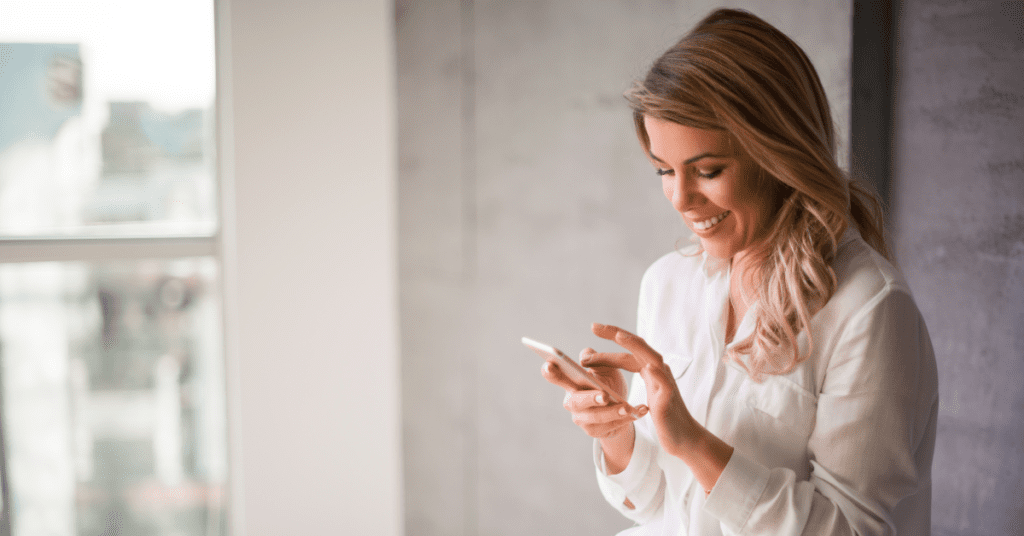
<point>575,372</point>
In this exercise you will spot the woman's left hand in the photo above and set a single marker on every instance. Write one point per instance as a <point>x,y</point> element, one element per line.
<point>677,430</point>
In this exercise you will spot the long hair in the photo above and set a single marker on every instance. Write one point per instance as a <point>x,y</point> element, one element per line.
<point>737,73</point>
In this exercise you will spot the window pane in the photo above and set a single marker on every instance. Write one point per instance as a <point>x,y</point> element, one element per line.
<point>113,397</point>
<point>106,118</point>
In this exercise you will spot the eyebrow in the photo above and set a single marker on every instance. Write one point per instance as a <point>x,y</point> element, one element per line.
<point>690,160</point>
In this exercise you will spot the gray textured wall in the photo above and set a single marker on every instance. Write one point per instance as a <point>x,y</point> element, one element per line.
<point>527,208</point>
<point>959,220</point>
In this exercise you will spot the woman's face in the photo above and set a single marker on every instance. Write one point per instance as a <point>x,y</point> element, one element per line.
<point>712,183</point>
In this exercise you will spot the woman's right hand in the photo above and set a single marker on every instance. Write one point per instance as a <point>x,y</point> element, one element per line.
<point>592,410</point>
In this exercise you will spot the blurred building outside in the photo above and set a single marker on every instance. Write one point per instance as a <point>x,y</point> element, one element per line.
<point>112,371</point>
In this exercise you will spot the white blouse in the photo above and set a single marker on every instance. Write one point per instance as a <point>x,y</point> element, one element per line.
<point>841,445</point>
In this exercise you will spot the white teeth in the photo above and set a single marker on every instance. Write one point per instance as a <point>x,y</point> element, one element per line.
<point>709,223</point>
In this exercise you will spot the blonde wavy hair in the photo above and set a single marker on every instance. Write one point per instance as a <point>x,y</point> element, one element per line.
<point>737,73</point>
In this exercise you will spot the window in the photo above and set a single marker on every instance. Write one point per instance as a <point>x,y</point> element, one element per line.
<point>111,366</point>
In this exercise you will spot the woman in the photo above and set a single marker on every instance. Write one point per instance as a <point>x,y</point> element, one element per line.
<point>787,378</point>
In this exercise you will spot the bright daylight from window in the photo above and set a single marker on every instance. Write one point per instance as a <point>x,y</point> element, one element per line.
<point>112,413</point>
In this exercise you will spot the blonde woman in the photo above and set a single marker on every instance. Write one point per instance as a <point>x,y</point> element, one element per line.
<point>786,378</point>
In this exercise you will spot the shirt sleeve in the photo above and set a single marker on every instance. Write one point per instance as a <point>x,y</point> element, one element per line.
<point>642,481</point>
<point>871,447</point>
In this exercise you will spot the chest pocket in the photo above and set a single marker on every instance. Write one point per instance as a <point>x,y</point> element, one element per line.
<point>782,401</point>
<point>678,363</point>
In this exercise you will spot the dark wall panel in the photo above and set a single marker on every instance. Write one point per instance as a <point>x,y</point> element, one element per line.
<point>959,216</point>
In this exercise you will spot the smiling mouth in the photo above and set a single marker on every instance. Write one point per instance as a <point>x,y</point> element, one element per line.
<point>710,222</point>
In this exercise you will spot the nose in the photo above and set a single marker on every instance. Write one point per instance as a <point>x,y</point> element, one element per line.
<point>684,192</point>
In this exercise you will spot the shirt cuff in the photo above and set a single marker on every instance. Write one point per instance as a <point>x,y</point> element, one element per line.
<point>737,491</point>
<point>616,487</point>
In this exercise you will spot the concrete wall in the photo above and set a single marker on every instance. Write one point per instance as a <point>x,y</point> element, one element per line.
<point>526,207</point>
<point>959,219</point>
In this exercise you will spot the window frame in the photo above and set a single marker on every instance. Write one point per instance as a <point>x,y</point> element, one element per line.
<point>131,247</point>
<point>345,181</point>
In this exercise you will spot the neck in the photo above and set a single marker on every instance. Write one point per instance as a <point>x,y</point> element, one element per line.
<point>742,280</point>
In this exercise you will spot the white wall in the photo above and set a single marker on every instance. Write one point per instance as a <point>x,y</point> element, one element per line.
<point>307,155</point>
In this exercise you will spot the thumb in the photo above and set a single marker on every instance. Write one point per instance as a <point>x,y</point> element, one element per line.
<point>653,379</point>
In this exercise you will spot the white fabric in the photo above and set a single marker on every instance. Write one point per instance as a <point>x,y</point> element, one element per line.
<point>841,445</point>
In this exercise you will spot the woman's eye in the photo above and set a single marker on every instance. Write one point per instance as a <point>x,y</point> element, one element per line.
<point>662,172</point>
<point>709,174</point>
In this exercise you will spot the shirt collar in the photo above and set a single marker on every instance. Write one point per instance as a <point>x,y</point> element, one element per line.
<point>851,234</point>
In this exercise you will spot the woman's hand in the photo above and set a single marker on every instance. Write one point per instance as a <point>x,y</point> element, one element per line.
<point>677,430</point>
<point>678,433</point>
<point>592,410</point>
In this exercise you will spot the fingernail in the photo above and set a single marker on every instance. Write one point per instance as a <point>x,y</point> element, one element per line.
<point>622,411</point>
<point>599,326</point>
<point>599,399</point>
<point>643,410</point>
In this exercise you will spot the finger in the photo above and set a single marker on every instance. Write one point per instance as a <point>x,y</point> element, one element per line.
<point>661,388</point>
<point>599,421</point>
<point>601,415</point>
<point>619,360</point>
<point>608,429</point>
<point>553,374</point>
<point>584,400</point>
<point>604,331</point>
<point>592,400</point>
<point>653,379</point>
<point>636,345</point>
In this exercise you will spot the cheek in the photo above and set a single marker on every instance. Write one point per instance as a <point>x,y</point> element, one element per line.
<point>753,215</point>
<point>746,201</point>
